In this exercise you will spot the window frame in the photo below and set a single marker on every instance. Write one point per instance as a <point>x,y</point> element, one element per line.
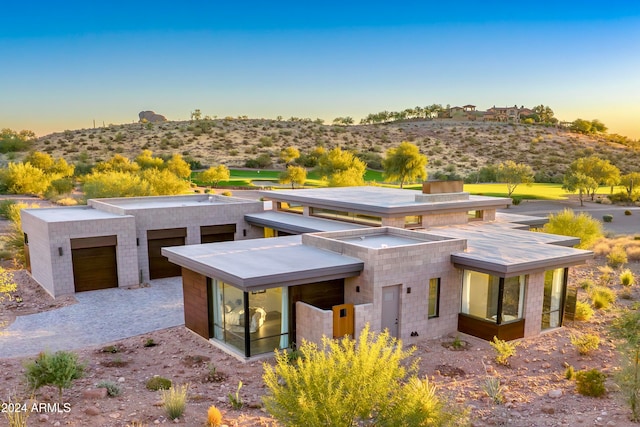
<point>437,282</point>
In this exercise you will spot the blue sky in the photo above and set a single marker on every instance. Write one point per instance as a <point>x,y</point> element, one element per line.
<point>68,63</point>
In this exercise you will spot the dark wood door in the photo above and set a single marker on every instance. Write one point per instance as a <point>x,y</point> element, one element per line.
<point>159,265</point>
<point>94,268</point>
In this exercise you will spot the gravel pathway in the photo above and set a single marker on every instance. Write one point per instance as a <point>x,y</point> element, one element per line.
<point>98,317</point>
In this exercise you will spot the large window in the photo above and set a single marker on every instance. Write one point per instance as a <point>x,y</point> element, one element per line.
<point>493,298</point>
<point>346,216</point>
<point>251,322</point>
<point>434,297</point>
<point>554,290</point>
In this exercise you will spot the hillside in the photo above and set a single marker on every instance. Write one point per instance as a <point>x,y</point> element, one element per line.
<point>465,145</point>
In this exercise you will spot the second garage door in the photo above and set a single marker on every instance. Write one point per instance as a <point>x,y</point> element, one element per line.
<point>159,266</point>
<point>94,263</point>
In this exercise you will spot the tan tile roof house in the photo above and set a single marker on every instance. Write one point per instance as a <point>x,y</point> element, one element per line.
<point>307,263</point>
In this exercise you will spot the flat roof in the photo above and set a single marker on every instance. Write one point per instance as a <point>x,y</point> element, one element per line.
<point>297,224</point>
<point>71,213</point>
<point>495,249</point>
<point>379,200</point>
<point>263,263</point>
<point>531,220</point>
<point>159,202</point>
<point>381,241</point>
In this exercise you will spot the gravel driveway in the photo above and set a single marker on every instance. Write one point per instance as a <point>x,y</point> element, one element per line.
<point>97,318</point>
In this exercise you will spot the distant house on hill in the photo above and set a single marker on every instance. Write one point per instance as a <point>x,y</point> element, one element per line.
<point>506,114</point>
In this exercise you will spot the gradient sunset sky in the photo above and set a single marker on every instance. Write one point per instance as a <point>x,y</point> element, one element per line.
<point>67,63</point>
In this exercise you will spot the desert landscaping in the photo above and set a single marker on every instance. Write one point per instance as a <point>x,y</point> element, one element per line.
<point>534,388</point>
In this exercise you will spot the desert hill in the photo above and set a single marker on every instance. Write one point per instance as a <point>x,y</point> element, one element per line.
<point>457,146</point>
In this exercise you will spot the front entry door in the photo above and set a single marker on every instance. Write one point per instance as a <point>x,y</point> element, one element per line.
<point>390,309</point>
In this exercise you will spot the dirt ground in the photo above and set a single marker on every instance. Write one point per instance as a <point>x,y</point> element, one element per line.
<point>535,389</point>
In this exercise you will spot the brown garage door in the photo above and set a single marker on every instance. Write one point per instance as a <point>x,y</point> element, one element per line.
<point>94,263</point>
<point>159,266</point>
<point>217,233</point>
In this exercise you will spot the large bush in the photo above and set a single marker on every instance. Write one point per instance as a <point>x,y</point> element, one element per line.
<point>582,225</point>
<point>347,382</point>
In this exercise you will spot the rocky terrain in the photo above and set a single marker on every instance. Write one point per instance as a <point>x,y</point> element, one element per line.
<point>536,392</point>
<point>451,146</point>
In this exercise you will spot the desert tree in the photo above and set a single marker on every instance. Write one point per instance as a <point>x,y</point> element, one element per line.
<point>117,163</point>
<point>114,184</point>
<point>514,174</point>
<point>602,171</point>
<point>164,182</point>
<point>24,178</point>
<point>178,166</point>
<point>581,183</point>
<point>215,174</point>
<point>404,163</point>
<point>631,183</point>
<point>146,160</point>
<point>289,154</point>
<point>293,175</point>
<point>341,168</point>
<point>196,114</point>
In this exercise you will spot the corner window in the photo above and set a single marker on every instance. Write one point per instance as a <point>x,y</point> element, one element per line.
<point>434,297</point>
<point>493,298</point>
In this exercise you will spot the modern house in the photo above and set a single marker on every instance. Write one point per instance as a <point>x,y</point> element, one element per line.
<point>328,261</point>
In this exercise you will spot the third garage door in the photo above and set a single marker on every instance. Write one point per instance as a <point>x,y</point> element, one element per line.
<point>159,266</point>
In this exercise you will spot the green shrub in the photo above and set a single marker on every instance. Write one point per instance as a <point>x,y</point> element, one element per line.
<point>584,312</point>
<point>627,278</point>
<point>353,382</point>
<point>236,399</point>
<point>617,257</point>
<point>627,212</point>
<point>590,383</point>
<point>58,369</point>
<point>158,383</point>
<point>587,284</point>
<point>149,342</point>
<point>113,389</point>
<point>583,225</point>
<point>602,297</point>
<point>570,373</point>
<point>174,400</point>
<point>504,350</point>
<point>492,387</point>
<point>607,218</point>
<point>585,343</point>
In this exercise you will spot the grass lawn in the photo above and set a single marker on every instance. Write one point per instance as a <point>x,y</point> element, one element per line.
<point>266,178</point>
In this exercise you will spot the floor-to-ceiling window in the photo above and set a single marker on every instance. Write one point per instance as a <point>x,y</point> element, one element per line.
<point>493,298</point>
<point>555,282</point>
<point>250,322</point>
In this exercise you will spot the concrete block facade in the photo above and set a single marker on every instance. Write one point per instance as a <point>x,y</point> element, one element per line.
<point>51,230</point>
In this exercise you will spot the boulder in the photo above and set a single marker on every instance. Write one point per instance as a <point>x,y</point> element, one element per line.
<point>151,116</point>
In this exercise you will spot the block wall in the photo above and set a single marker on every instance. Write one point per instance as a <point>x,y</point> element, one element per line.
<point>312,323</point>
<point>39,251</point>
<point>61,233</point>
<point>533,304</point>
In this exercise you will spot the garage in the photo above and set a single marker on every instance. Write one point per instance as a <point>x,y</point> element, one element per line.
<point>159,266</point>
<point>94,263</point>
<point>217,233</point>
